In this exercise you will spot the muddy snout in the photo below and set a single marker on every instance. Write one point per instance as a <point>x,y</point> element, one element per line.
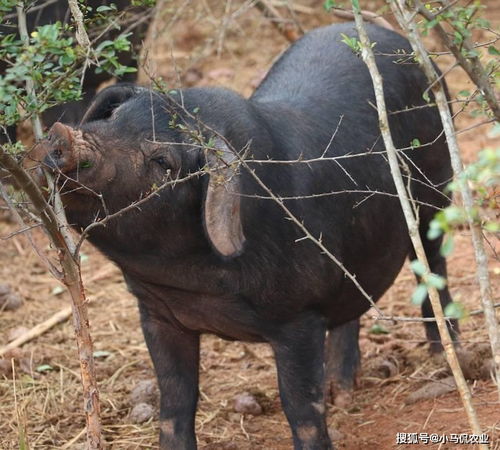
<point>56,151</point>
<point>53,153</point>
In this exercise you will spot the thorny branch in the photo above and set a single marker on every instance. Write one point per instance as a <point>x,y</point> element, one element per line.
<point>470,63</point>
<point>81,33</point>
<point>403,16</point>
<point>56,273</point>
<point>413,228</point>
<point>56,227</point>
<point>134,205</point>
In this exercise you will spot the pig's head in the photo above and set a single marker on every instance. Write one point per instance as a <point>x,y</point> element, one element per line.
<point>130,142</point>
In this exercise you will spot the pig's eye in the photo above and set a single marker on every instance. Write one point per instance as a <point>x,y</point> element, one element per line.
<point>161,161</point>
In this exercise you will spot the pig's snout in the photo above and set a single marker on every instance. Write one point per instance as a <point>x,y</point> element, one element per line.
<point>56,151</point>
<point>59,160</point>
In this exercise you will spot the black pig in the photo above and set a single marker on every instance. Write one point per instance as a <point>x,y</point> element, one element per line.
<point>212,253</point>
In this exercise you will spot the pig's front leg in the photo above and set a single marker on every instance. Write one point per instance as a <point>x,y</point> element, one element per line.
<point>175,356</point>
<point>299,351</point>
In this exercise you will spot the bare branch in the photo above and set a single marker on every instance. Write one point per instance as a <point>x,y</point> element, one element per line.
<point>480,254</point>
<point>81,33</point>
<point>471,64</point>
<point>411,220</point>
<point>288,30</point>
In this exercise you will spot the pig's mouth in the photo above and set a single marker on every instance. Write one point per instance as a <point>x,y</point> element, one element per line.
<point>61,154</point>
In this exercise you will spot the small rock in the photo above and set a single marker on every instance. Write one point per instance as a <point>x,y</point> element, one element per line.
<point>473,362</point>
<point>146,391</point>
<point>141,413</point>
<point>9,300</point>
<point>335,435</point>
<point>432,389</point>
<point>246,403</point>
<point>382,368</point>
<point>5,368</point>
<point>234,417</point>
<point>16,332</point>
<point>192,77</point>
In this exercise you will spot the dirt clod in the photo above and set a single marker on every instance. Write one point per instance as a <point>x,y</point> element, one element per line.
<point>5,368</point>
<point>432,389</point>
<point>335,435</point>
<point>146,391</point>
<point>382,367</point>
<point>246,403</point>
<point>9,300</point>
<point>141,413</point>
<point>474,363</point>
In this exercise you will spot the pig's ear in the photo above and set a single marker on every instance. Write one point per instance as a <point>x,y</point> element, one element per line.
<point>106,101</point>
<point>222,202</point>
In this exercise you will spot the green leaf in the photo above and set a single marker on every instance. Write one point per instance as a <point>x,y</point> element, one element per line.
<point>492,50</point>
<point>436,281</point>
<point>435,230</point>
<point>44,368</point>
<point>455,310</point>
<point>492,227</point>
<point>378,329</point>
<point>419,294</point>
<point>352,43</point>
<point>417,267</point>
<point>454,215</point>
<point>447,246</point>
<point>85,165</point>
<point>329,4</point>
<point>104,8</point>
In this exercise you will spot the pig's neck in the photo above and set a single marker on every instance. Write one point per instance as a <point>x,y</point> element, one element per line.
<point>171,254</point>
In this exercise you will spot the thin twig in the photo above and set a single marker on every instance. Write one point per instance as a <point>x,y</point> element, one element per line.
<point>288,30</point>
<point>81,33</point>
<point>402,15</point>
<point>37,330</point>
<point>475,312</point>
<point>412,222</point>
<point>470,63</point>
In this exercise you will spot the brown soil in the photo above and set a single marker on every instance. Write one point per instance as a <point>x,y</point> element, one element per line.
<point>232,47</point>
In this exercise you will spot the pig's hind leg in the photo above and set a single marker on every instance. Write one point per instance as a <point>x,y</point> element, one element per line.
<point>343,362</point>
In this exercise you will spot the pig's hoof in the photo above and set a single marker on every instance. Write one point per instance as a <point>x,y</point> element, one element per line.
<point>341,397</point>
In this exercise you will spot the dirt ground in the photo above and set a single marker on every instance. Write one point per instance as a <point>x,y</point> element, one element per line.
<point>230,44</point>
